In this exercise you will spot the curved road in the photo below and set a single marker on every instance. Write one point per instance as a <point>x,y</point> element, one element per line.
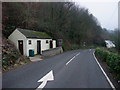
<point>73,69</point>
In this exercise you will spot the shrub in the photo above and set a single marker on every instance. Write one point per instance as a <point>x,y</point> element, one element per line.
<point>112,59</point>
<point>102,54</point>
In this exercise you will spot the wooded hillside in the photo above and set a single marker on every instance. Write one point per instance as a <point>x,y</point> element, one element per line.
<point>61,20</point>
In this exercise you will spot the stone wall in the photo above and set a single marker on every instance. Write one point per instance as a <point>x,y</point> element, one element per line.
<point>52,52</point>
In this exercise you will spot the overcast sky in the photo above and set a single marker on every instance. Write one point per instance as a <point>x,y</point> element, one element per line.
<point>106,11</point>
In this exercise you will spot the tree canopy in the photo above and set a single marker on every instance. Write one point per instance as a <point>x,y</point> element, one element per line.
<point>61,20</point>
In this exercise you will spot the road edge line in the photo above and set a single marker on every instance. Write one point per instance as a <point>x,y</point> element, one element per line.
<point>111,84</point>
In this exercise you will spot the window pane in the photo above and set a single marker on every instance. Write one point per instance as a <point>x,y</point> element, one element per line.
<point>29,41</point>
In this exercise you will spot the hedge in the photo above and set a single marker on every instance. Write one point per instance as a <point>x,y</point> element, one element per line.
<point>102,54</point>
<point>112,60</point>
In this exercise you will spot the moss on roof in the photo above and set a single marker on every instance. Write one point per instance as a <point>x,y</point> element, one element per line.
<point>34,34</point>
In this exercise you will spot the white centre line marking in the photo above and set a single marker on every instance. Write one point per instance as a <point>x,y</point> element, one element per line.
<point>72,58</point>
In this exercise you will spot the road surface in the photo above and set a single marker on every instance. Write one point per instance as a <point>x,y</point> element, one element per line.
<point>73,69</point>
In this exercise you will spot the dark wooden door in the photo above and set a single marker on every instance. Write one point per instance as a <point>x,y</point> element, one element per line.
<point>38,47</point>
<point>20,46</point>
<point>51,44</point>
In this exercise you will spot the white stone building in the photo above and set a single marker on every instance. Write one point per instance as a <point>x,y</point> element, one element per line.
<point>109,44</point>
<point>27,40</point>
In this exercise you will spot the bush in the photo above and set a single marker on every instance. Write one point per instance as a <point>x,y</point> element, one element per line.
<point>112,59</point>
<point>9,58</point>
<point>102,54</point>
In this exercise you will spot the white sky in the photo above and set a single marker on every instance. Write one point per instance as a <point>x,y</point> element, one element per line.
<point>106,11</point>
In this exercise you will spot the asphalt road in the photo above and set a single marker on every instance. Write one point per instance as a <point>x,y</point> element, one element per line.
<point>73,69</point>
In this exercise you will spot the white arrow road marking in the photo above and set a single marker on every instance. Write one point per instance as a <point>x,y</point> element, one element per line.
<point>72,58</point>
<point>43,84</point>
<point>48,77</point>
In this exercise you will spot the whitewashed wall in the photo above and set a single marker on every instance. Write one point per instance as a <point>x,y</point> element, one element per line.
<point>54,43</point>
<point>44,45</point>
<point>15,36</point>
<point>33,45</point>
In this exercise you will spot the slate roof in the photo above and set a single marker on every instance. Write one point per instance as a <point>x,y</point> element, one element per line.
<point>34,34</point>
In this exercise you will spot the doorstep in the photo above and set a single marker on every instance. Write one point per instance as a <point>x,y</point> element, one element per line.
<point>36,58</point>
